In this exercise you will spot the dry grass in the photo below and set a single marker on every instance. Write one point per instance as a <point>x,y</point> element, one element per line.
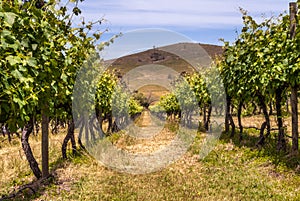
<point>133,145</point>
<point>232,171</point>
<point>14,168</point>
<point>228,173</point>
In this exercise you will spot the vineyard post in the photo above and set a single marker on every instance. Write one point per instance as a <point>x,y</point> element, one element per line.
<point>294,89</point>
<point>45,142</point>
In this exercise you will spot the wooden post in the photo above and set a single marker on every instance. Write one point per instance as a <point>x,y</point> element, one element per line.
<point>294,89</point>
<point>45,142</point>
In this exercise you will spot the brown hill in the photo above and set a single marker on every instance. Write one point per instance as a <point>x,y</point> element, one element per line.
<point>182,57</point>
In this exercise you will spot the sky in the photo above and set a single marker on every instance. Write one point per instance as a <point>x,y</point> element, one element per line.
<point>201,21</point>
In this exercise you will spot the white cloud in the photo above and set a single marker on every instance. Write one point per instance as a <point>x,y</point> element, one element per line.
<point>188,13</point>
<point>217,18</point>
<point>207,6</point>
<point>139,19</point>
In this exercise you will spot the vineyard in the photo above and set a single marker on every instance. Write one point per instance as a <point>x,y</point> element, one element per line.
<point>61,107</point>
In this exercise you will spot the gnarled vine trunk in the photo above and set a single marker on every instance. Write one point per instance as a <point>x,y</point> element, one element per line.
<point>239,114</point>
<point>27,149</point>
<point>266,124</point>
<point>228,117</point>
<point>208,117</point>
<point>204,115</point>
<point>227,111</point>
<point>69,136</point>
<point>281,144</point>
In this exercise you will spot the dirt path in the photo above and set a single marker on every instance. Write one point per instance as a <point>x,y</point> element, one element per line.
<point>145,119</point>
<point>146,135</point>
<point>147,146</point>
<point>145,127</point>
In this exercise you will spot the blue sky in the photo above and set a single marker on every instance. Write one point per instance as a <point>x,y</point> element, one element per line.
<point>201,21</point>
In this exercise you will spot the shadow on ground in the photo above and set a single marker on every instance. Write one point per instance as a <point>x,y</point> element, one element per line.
<point>269,150</point>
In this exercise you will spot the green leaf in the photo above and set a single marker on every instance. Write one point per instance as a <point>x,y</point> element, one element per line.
<point>5,33</point>
<point>34,46</point>
<point>22,68</point>
<point>9,18</point>
<point>17,74</point>
<point>76,11</point>
<point>20,102</point>
<point>64,77</point>
<point>13,60</point>
<point>32,62</point>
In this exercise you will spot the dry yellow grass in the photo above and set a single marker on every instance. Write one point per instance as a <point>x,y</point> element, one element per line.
<point>231,171</point>
<point>14,168</point>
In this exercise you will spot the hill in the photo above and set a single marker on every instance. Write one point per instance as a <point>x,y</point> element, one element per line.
<point>180,57</point>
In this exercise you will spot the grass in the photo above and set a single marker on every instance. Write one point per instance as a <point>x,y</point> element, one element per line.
<point>14,168</point>
<point>232,171</point>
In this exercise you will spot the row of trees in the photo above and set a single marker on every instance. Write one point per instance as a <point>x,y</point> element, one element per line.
<point>40,54</point>
<point>263,66</point>
<point>115,103</point>
<point>190,96</point>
